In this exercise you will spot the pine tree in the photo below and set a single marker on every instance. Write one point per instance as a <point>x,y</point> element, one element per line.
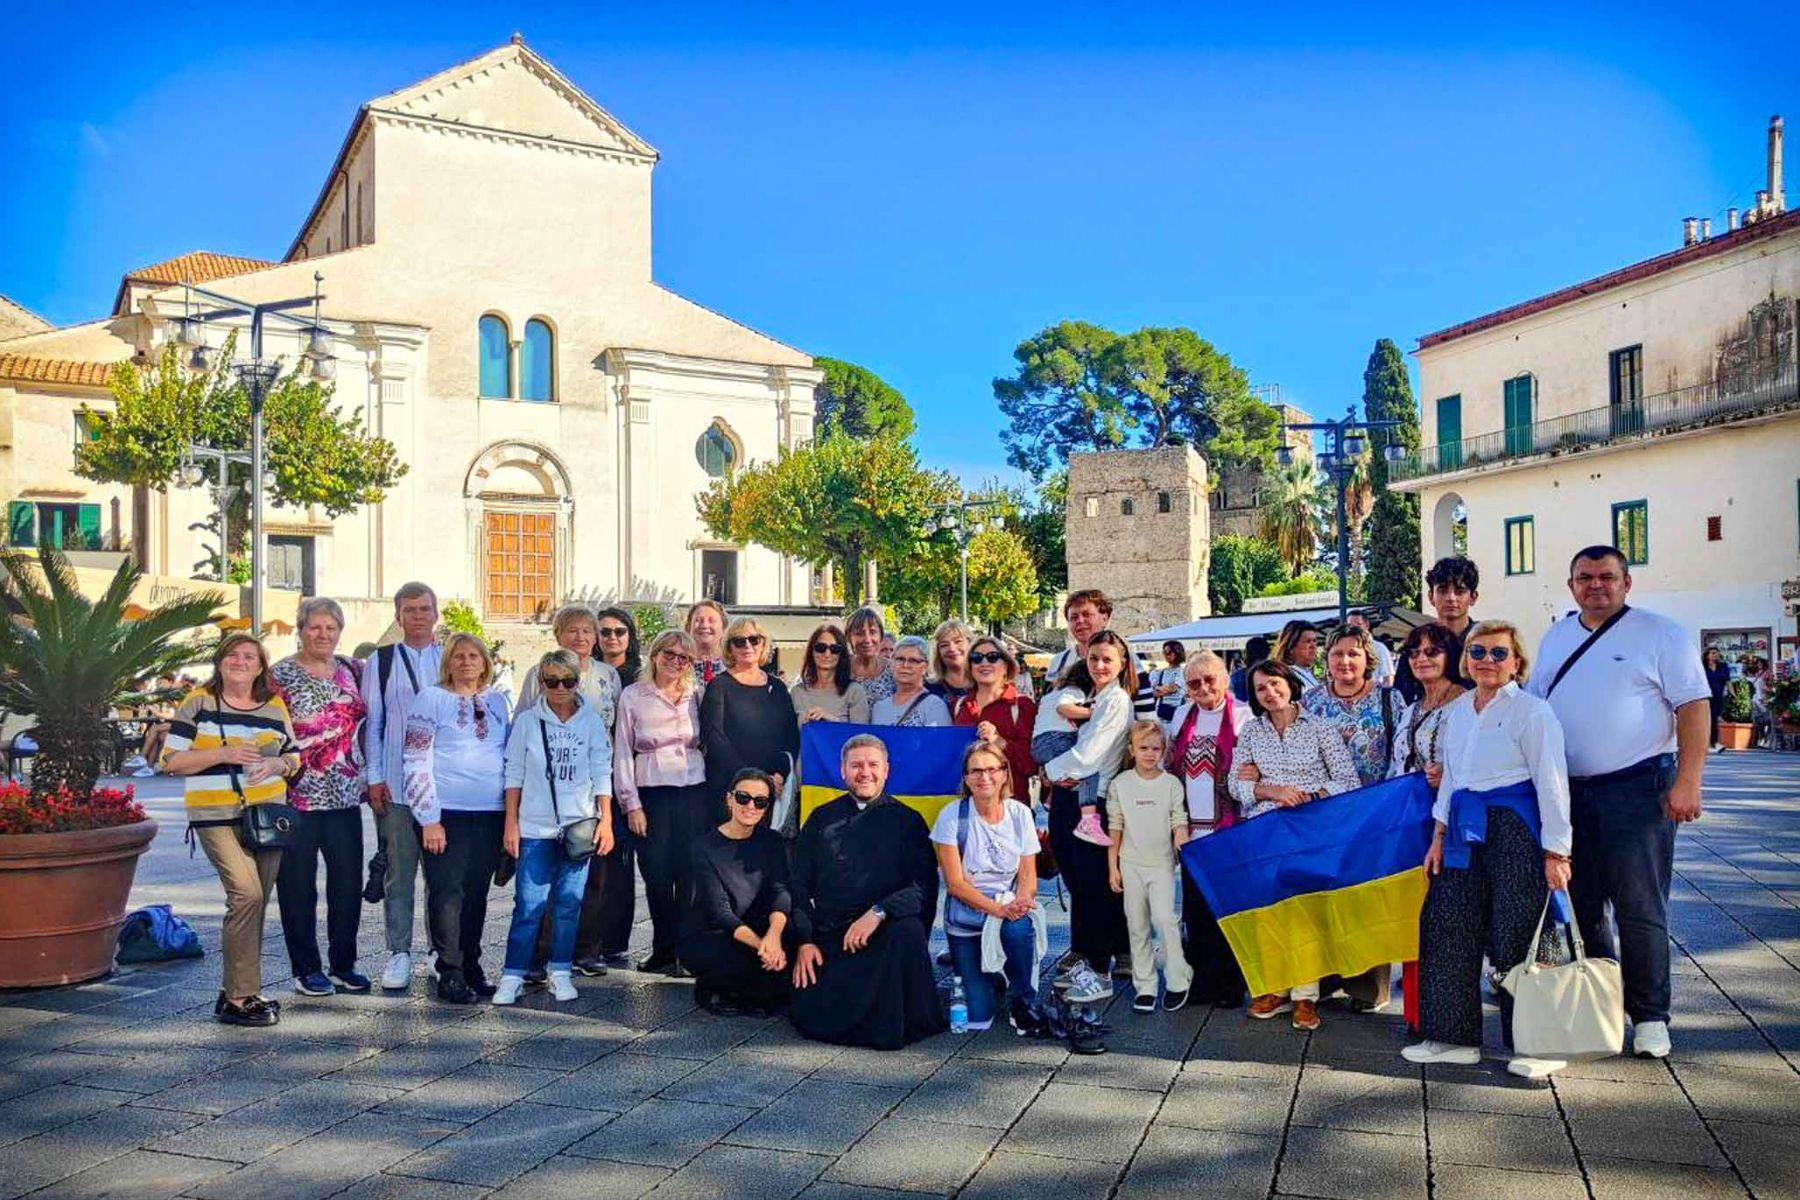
<point>1393,537</point>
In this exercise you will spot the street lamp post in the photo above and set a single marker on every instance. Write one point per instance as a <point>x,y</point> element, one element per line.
<point>191,474</point>
<point>257,375</point>
<point>962,520</point>
<point>1348,440</point>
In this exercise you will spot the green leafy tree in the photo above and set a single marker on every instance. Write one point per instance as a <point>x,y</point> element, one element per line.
<point>316,452</point>
<point>1313,579</point>
<point>1081,387</point>
<point>926,587</point>
<point>854,400</point>
<point>1241,567</point>
<point>68,660</point>
<point>836,500</point>
<point>1394,516</point>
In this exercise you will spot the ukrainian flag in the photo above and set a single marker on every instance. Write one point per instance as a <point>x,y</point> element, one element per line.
<point>1333,887</point>
<point>924,764</point>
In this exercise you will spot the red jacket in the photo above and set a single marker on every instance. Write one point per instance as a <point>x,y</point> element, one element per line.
<point>1013,716</point>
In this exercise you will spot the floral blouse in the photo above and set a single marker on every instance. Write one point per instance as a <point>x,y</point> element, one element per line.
<point>1361,723</point>
<point>327,716</point>
<point>1310,756</point>
<point>1418,738</point>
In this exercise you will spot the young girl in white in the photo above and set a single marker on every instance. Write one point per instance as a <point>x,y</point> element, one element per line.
<point>1146,810</point>
<point>1059,718</point>
<point>1100,743</point>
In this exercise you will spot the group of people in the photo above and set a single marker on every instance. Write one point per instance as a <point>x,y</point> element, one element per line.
<point>1552,770</point>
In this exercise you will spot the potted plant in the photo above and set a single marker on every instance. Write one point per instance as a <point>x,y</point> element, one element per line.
<point>1784,710</point>
<point>69,849</point>
<point>1735,717</point>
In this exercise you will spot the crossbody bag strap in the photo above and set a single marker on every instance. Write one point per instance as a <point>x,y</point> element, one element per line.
<point>232,771</point>
<point>550,772</point>
<point>1584,648</point>
<point>916,701</point>
<point>962,831</point>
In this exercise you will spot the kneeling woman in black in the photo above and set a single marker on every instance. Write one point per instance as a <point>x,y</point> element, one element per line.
<point>731,938</point>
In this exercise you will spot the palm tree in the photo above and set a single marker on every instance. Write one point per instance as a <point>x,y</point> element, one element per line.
<point>1290,517</point>
<point>66,660</point>
<point>1359,503</point>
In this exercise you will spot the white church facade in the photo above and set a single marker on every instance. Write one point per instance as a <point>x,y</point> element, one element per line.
<point>484,242</point>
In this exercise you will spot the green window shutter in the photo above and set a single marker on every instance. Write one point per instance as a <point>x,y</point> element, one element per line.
<point>1631,531</point>
<point>1521,545</point>
<point>21,523</point>
<point>1449,432</point>
<point>1517,396</point>
<point>88,518</point>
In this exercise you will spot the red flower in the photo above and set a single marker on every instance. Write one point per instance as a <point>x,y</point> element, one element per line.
<point>64,812</point>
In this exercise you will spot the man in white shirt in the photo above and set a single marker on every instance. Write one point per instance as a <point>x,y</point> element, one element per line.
<point>1631,694</point>
<point>393,676</point>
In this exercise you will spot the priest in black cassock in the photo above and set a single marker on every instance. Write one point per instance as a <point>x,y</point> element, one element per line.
<point>864,891</point>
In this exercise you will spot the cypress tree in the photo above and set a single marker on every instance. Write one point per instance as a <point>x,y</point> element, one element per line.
<point>1394,523</point>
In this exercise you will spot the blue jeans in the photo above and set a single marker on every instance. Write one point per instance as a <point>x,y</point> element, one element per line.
<point>1018,939</point>
<point>546,879</point>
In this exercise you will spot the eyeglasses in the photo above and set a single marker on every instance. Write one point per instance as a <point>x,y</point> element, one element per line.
<point>831,648</point>
<point>674,656</point>
<point>1493,654</point>
<point>1425,652</point>
<point>746,641</point>
<point>556,681</point>
<point>906,660</point>
<point>751,798</point>
<point>614,631</point>
<point>986,656</point>
<point>985,772</point>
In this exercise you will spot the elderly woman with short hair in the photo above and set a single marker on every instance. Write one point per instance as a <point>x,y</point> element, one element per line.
<point>323,693</point>
<point>870,643</point>
<point>912,704</point>
<point>577,629</point>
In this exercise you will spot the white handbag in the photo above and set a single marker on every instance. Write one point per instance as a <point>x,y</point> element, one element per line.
<point>784,817</point>
<point>1572,1011</point>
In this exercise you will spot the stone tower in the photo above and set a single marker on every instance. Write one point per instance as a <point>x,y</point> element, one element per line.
<point>1137,529</point>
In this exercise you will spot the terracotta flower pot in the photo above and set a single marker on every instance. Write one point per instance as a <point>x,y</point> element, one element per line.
<point>1734,736</point>
<point>62,901</point>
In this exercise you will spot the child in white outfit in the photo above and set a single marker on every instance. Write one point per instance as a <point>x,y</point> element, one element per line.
<point>1146,811</point>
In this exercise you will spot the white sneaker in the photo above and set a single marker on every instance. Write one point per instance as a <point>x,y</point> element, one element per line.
<point>510,987</point>
<point>1650,1039</point>
<point>1442,1052</point>
<point>397,975</point>
<point>1534,1068</point>
<point>562,987</point>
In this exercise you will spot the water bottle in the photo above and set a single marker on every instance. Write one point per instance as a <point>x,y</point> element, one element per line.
<point>959,1007</point>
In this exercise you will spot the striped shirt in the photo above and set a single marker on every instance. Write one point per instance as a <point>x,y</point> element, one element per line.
<point>204,722</point>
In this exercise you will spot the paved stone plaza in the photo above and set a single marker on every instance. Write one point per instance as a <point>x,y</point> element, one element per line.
<point>128,1088</point>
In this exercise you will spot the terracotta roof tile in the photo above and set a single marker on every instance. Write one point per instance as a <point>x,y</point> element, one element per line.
<point>24,368</point>
<point>198,266</point>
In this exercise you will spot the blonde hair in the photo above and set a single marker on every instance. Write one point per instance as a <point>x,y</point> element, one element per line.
<point>1488,629</point>
<point>1201,661</point>
<point>1362,637</point>
<point>678,638</point>
<point>744,627</point>
<point>567,615</point>
<point>451,644</point>
<point>999,754</point>
<point>1139,729</point>
<point>947,629</point>
<point>562,660</point>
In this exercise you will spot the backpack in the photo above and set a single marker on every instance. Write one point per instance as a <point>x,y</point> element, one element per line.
<point>156,934</point>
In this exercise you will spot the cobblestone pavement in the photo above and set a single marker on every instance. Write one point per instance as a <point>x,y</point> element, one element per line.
<point>128,1088</point>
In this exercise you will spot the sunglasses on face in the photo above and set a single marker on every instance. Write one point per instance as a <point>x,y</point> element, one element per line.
<point>759,803</point>
<point>1425,652</point>
<point>556,681</point>
<point>746,642</point>
<point>614,631</point>
<point>831,648</point>
<point>1493,654</point>
<point>986,656</point>
<point>676,656</point>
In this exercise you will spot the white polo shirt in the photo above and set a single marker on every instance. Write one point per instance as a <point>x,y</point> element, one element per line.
<point>1617,705</point>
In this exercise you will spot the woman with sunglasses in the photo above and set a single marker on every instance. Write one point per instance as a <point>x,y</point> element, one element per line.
<point>1502,844</point>
<point>870,645</point>
<point>1429,654</point>
<point>1001,715</point>
<point>825,691</point>
<point>558,777</point>
<point>659,778</point>
<point>731,937</point>
<point>454,765</point>
<point>746,716</point>
<point>911,705</point>
<point>577,630</point>
<point>619,647</point>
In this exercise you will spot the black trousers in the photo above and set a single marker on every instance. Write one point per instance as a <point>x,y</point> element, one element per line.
<point>1488,909</point>
<point>675,816</point>
<point>723,964</point>
<point>1625,859</point>
<point>337,836</point>
<point>456,886</point>
<point>1096,913</point>
<point>1217,976</point>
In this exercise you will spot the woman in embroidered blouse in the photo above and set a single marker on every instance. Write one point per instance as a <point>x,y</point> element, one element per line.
<point>323,693</point>
<point>1287,757</point>
<point>1419,735</point>
<point>869,650</point>
<point>1362,710</point>
<point>659,783</point>
<point>455,769</point>
<point>824,691</point>
<point>1502,844</point>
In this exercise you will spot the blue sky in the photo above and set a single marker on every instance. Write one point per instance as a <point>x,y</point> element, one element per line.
<point>918,191</point>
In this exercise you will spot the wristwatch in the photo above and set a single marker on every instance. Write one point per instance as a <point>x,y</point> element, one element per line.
<point>878,912</point>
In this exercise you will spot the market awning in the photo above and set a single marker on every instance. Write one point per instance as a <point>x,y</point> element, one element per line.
<point>1230,633</point>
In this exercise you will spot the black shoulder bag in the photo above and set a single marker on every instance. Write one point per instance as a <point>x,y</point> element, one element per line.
<point>1584,648</point>
<point>577,837</point>
<point>267,826</point>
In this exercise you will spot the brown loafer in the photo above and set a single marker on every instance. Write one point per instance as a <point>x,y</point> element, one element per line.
<point>1306,1015</point>
<point>1264,1007</point>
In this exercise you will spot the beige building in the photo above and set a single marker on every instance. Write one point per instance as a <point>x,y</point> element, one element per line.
<point>1654,408</point>
<point>484,242</point>
<point>1136,528</point>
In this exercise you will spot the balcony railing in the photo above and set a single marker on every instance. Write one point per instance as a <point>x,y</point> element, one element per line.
<point>1695,407</point>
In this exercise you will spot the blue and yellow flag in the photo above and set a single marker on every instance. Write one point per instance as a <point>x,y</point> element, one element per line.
<point>1329,888</point>
<point>924,765</point>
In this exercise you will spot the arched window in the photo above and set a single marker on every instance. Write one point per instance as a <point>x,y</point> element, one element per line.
<point>716,451</point>
<point>496,358</point>
<point>537,362</point>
